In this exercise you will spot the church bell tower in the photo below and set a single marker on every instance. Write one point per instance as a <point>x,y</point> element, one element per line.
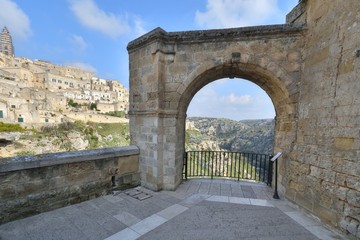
<point>6,45</point>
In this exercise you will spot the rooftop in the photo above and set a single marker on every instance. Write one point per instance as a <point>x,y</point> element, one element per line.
<point>198,209</point>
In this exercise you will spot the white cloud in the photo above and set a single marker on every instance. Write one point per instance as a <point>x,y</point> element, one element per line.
<point>209,103</point>
<point>82,65</point>
<point>91,16</point>
<point>79,42</point>
<point>237,100</point>
<point>14,19</point>
<point>237,13</point>
<point>139,26</point>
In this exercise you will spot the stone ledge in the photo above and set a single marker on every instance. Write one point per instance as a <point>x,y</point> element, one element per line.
<point>45,160</point>
<point>216,34</point>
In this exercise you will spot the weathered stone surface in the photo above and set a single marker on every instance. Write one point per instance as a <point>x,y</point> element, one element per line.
<point>64,181</point>
<point>309,67</point>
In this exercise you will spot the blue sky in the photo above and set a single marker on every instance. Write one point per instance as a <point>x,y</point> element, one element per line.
<point>94,34</point>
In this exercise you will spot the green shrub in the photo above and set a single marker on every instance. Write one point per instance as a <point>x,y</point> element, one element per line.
<point>93,106</point>
<point>25,153</point>
<point>120,114</point>
<point>9,127</point>
<point>74,104</point>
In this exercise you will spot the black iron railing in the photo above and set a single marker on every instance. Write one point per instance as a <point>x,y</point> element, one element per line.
<point>230,165</point>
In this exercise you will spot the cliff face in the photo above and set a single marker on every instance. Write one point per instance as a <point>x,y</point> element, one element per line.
<point>64,137</point>
<point>256,136</point>
<point>209,134</point>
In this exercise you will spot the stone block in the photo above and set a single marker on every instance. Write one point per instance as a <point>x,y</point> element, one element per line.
<point>353,198</point>
<point>346,66</point>
<point>353,182</point>
<point>325,214</point>
<point>317,57</point>
<point>298,187</point>
<point>130,165</point>
<point>344,143</point>
<point>351,168</point>
<point>322,174</point>
<point>8,191</point>
<point>351,211</point>
<point>353,227</point>
<point>306,203</point>
<point>341,193</point>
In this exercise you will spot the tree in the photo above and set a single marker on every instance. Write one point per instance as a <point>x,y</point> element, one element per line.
<point>72,103</point>
<point>93,106</point>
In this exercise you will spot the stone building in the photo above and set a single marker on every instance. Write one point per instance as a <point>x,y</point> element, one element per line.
<point>308,66</point>
<point>6,45</point>
<point>39,91</point>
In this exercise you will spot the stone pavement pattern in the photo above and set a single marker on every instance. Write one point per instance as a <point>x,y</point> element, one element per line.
<point>198,209</point>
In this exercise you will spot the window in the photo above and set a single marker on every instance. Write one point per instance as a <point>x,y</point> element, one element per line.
<point>66,83</point>
<point>53,80</point>
<point>46,120</point>
<point>20,119</point>
<point>59,81</point>
<point>13,106</point>
<point>1,114</point>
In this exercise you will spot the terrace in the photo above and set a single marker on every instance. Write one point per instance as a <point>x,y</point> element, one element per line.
<point>199,208</point>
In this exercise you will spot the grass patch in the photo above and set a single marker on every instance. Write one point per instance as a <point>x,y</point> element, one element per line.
<point>10,127</point>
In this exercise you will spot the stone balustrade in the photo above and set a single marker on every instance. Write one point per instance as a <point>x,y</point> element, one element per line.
<point>34,184</point>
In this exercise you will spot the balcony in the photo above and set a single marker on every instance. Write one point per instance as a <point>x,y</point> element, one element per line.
<point>95,194</point>
<point>198,209</point>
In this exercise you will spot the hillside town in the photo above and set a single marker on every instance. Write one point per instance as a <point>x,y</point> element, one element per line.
<point>40,92</point>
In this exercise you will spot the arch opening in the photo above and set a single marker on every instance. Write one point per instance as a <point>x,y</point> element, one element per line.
<point>230,115</point>
<point>275,84</point>
<point>265,79</point>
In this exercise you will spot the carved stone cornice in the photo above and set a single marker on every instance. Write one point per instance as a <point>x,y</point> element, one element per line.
<point>216,35</point>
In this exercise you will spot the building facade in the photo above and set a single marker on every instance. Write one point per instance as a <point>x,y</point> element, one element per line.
<point>39,91</point>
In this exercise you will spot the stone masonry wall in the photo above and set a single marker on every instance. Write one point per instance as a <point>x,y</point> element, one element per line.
<point>324,176</point>
<point>309,67</point>
<point>34,184</point>
<point>168,69</point>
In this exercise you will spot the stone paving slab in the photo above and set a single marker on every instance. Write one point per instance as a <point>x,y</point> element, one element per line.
<point>219,220</point>
<point>192,212</point>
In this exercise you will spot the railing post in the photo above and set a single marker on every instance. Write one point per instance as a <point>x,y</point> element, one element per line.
<point>275,159</point>
<point>212,166</point>
<point>276,195</point>
<point>270,171</point>
<point>185,165</point>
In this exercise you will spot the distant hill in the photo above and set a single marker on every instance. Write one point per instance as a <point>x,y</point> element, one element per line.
<point>255,136</point>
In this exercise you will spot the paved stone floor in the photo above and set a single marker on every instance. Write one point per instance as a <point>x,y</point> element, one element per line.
<point>198,209</point>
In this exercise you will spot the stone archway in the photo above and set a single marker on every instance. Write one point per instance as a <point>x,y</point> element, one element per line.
<point>167,69</point>
<point>309,67</point>
<point>284,103</point>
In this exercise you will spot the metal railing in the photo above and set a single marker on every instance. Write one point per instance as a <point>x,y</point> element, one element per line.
<point>229,165</point>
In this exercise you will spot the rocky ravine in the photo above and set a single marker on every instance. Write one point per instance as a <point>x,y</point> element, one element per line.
<point>63,138</point>
<point>255,136</point>
<point>210,134</point>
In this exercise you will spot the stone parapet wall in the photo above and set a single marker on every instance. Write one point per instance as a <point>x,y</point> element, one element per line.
<point>34,184</point>
<point>324,170</point>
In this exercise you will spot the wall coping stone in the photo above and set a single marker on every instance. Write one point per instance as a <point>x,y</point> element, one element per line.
<point>51,159</point>
<point>212,35</point>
